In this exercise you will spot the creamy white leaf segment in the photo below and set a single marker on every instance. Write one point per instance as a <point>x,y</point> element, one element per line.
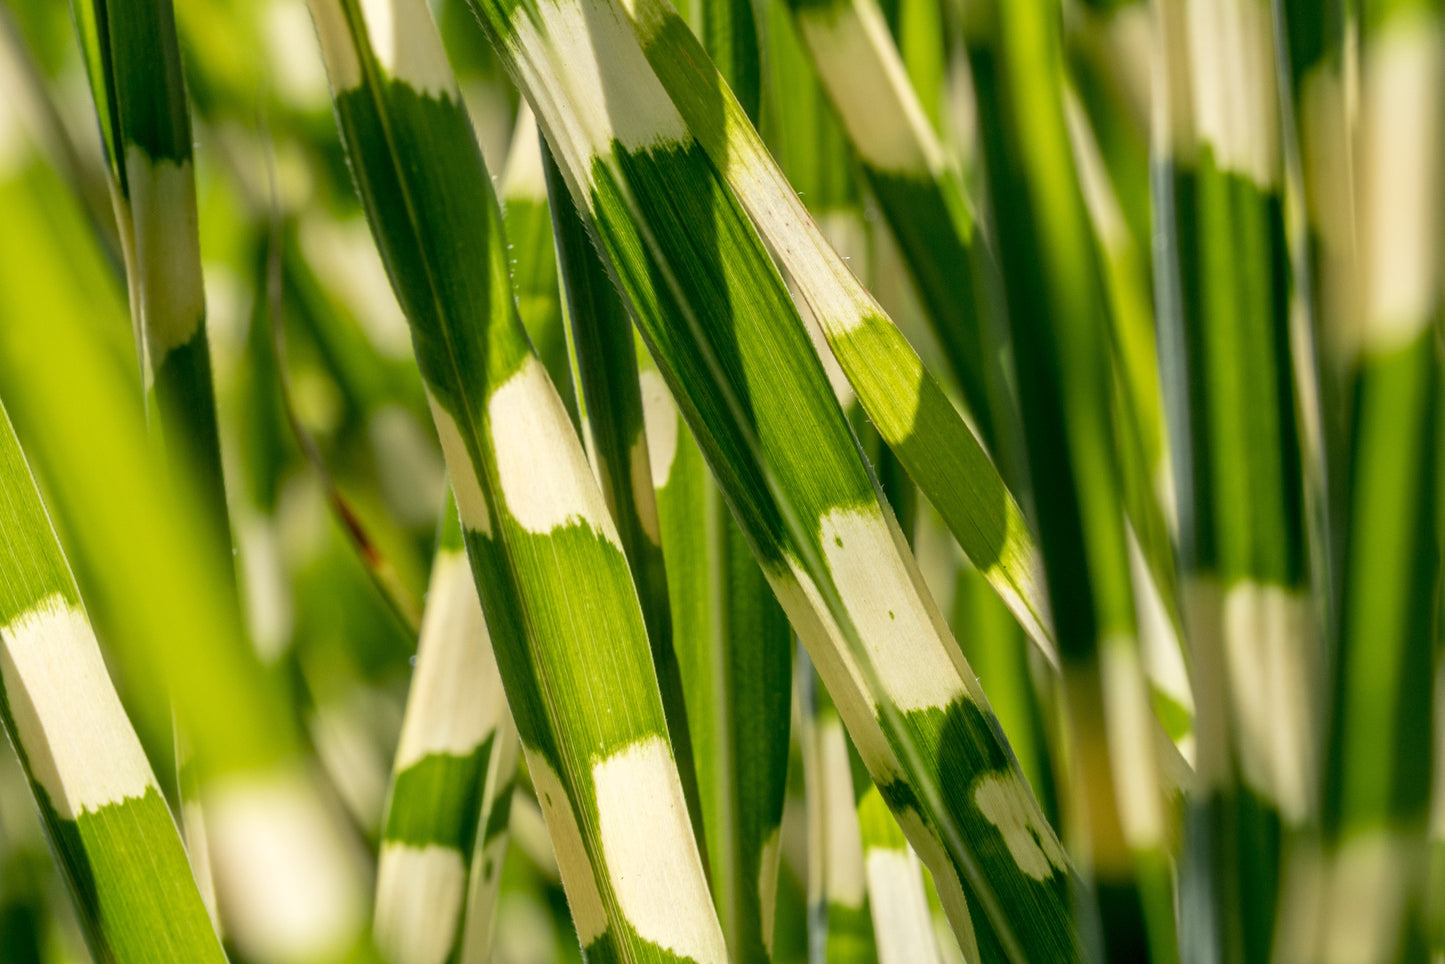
<point>843,878</point>
<point>1400,157</point>
<point>546,480</point>
<point>1268,649</point>
<point>588,59</point>
<point>1231,48</point>
<point>163,210</point>
<point>902,922</point>
<point>418,901</point>
<point>652,860</point>
<point>407,45</point>
<point>284,879</point>
<point>1007,803</point>
<point>659,416</point>
<point>76,736</point>
<point>457,692</point>
<point>583,898</point>
<point>869,86</point>
<point>471,503</point>
<point>891,610</point>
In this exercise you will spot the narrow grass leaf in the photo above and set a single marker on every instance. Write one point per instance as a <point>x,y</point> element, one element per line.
<point>451,784</point>
<point>103,812</point>
<point>555,586</point>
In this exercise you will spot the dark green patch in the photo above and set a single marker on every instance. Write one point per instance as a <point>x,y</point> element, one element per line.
<point>437,800</point>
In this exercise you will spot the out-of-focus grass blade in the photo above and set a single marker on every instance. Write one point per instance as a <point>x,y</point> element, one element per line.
<point>133,61</point>
<point>108,824</point>
<point>1058,311</point>
<point>286,878</point>
<point>445,831</point>
<point>1137,404</point>
<point>559,601</point>
<point>897,899</point>
<point>1377,788</point>
<point>841,931</point>
<point>1238,457</point>
<point>716,317</point>
<point>1320,38</point>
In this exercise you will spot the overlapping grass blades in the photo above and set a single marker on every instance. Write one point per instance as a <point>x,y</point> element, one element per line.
<point>903,399</point>
<point>563,615</point>
<point>717,319</point>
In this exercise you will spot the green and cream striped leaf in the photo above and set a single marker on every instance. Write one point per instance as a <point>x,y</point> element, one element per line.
<point>103,811</point>
<point>133,61</point>
<point>1248,487</point>
<point>837,879</point>
<point>451,784</point>
<point>919,191</point>
<point>1254,632</point>
<point>717,319</point>
<point>1057,308</point>
<point>287,879</point>
<point>609,401</point>
<point>733,646</point>
<point>564,618</point>
<point>1377,795</point>
<point>905,402</point>
<point>897,899</point>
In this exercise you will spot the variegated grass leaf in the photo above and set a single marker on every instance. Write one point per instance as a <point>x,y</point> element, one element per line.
<point>609,401</point>
<point>558,596</point>
<point>717,319</point>
<point>1376,789</point>
<point>445,830</point>
<point>1056,306</point>
<point>103,812</point>
<point>285,875</point>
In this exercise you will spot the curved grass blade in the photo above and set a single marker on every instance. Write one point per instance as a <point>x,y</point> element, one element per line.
<point>717,319</point>
<point>563,615</point>
<point>102,809</point>
<point>909,408</point>
<point>451,785</point>
<point>919,191</point>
